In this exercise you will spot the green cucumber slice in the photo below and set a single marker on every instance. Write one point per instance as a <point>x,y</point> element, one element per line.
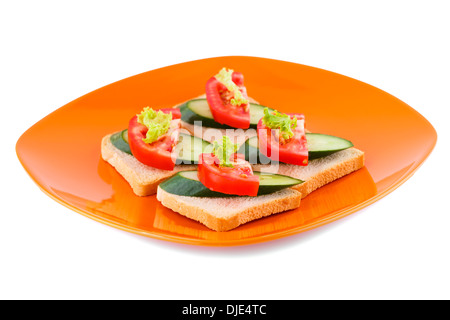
<point>319,145</point>
<point>186,183</point>
<point>250,149</point>
<point>322,145</point>
<point>120,141</point>
<point>188,148</point>
<point>198,110</point>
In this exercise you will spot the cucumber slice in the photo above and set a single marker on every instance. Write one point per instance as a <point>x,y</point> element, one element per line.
<point>198,110</point>
<point>186,183</point>
<point>125,135</point>
<point>256,113</point>
<point>322,145</point>
<point>120,141</point>
<point>188,148</point>
<point>319,145</point>
<point>250,149</point>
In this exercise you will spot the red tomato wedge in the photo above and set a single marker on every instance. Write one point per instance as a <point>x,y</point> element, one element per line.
<point>237,180</point>
<point>219,100</point>
<point>158,154</point>
<point>293,151</point>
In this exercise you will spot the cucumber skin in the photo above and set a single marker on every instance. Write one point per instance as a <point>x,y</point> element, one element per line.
<point>320,154</point>
<point>187,115</point>
<point>177,185</point>
<point>118,142</point>
<point>173,185</point>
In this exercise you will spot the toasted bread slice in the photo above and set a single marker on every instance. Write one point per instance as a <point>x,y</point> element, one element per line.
<point>319,172</point>
<point>143,179</point>
<point>224,214</point>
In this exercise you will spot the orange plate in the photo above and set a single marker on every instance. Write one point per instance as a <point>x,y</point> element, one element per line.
<point>62,151</point>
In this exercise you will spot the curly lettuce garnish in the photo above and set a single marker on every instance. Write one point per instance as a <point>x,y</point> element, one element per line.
<point>281,121</point>
<point>225,77</point>
<point>224,150</point>
<point>157,122</point>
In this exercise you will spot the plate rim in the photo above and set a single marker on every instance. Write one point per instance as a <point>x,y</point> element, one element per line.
<point>336,215</point>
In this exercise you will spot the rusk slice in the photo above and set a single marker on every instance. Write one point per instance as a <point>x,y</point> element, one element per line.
<point>319,172</point>
<point>143,179</point>
<point>224,214</point>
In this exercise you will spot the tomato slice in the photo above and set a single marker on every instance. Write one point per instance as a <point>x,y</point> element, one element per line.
<point>219,100</point>
<point>237,180</point>
<point>158,154</point>
<point>293,151</point>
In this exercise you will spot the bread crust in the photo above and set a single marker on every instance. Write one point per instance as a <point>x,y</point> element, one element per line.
<point>218,218</point>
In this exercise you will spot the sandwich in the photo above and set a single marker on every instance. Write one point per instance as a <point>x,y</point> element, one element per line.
<point>223,159</point>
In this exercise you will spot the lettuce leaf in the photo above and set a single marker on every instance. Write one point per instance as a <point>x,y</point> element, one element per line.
<point>281,121</point>
<point>157,123</point>
<point>225,77</point>
<point>224,150</point>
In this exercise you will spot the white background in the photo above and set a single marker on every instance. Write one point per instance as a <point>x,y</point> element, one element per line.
<point>54,52</point>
